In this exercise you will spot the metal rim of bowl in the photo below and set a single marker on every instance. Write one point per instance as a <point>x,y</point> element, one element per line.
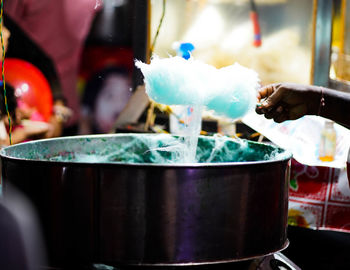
<point>286,156</point>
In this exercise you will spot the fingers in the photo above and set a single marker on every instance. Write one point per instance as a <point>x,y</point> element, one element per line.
<point>279,113</point>
<point>281,118</point>
<point>273,94</point>
<point>271,107</point>
<point>282,102</point>
<point>273,113</point>
<point>266,91</point>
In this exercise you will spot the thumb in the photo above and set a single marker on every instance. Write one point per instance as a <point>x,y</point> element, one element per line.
<point>272,100</point>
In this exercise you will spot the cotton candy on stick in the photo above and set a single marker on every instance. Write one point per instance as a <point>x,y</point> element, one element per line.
<point>229,91</point>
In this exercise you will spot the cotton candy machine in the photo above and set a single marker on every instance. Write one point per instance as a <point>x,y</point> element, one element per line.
<point>121,200</point>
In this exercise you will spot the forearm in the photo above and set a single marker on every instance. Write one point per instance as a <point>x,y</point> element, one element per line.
<point>336,106</point>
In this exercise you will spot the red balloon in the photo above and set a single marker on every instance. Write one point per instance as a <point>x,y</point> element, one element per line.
<point>30,85</point>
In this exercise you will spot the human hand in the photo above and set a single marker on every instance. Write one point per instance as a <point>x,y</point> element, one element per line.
<point>59,117</point>
<point>287,101</point>
<point>62,112</point>
<point>55,128</point>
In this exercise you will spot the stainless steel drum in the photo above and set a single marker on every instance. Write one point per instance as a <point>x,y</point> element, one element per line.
<point>99,204</point>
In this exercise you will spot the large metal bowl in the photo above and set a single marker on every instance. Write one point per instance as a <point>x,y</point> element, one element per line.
<point>97,207</point>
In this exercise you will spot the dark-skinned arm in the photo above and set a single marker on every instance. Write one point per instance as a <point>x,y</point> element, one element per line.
<point>287,101</point>
<point>336,106</point>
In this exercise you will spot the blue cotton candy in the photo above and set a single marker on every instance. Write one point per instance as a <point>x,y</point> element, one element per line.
<point>229,91</point>
<point>235,91</point>
<point>176,81</point>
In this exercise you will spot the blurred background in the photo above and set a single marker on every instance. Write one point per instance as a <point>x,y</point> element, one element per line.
<point>86,50</point>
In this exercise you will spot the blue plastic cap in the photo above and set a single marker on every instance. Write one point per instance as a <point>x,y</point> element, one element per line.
<point>185,50</point>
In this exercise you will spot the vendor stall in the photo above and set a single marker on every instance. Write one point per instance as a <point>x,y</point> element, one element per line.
<point>269,198</point>
<point>312,49</point>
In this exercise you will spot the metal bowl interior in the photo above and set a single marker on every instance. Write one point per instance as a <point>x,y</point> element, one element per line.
<point>157,149</point>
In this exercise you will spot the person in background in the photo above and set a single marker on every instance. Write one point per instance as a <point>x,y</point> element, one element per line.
<point>18,45</point>
<point>288,101</point>
<point>105,96</point>
<point>21,131</point>
<point>59,29</point>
